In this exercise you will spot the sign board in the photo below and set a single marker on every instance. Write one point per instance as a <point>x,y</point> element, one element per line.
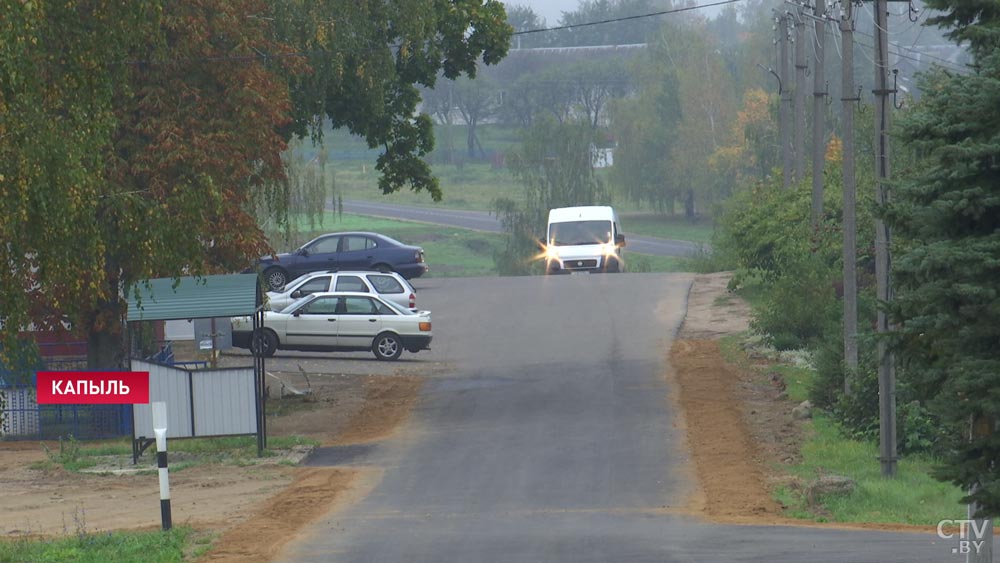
<point>214,334</point>
<point>92,387</point>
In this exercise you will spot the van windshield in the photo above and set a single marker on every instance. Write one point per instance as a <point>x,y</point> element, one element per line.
<point>579,232</point>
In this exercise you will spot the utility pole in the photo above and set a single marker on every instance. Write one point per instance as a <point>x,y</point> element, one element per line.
<point>850,198</point>
<point>886,369</point>
<point>785,111</point>
<point>800,94</point>
<point>819,114</point>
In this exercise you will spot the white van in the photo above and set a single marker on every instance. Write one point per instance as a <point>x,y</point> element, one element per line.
<point>584,239</point>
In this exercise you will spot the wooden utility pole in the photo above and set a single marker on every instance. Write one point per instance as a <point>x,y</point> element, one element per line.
<point>785,111</point>
<point>981,528</point>
<point>883,115</point>
<point>819,114</point>
<point>800,94</point>
<point>850,199</point>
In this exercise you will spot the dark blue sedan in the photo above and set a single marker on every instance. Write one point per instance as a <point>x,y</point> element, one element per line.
<point>344,251</point>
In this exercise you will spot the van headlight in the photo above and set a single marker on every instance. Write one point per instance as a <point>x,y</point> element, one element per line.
<point>608,249</point>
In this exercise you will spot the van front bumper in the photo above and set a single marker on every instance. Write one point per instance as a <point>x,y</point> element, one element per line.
<point>593,264</point>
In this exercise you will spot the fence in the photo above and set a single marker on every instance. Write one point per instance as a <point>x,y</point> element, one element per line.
<point>200,403</point>
<point>22,418</point>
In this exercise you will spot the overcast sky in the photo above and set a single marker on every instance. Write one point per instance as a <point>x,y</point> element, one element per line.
<point>551,10</point>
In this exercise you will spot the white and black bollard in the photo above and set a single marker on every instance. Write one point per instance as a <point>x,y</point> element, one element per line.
<point>160,431</point>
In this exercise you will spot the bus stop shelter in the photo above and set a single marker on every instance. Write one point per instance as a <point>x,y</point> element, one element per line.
<point>201,402</point>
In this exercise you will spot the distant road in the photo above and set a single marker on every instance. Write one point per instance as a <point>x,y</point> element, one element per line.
<point>484,221</point>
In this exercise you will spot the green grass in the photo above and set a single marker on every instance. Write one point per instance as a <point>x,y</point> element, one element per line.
<point>472,186</point>
<point>84,547</point>
<point>668,226</point>
<point>636,262</point>
<point>73,455</point>
<point>913,497</point>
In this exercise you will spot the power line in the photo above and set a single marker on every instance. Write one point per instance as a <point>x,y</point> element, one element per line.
<point>626,18</point>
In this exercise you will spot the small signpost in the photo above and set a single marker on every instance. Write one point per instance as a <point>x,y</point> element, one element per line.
<point>160,431</point>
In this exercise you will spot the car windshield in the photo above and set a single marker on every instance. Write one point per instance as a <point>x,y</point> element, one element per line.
<point>579,232</point>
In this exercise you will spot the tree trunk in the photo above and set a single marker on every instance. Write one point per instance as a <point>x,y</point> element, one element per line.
<point>471,139</point>
<point>105,350</point>
<point>106,347</point>
<point>689,205</point>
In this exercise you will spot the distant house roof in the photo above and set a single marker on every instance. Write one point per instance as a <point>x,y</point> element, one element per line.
<point>203,297</point>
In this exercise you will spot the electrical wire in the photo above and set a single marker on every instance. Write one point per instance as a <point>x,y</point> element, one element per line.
<point>627,18</point>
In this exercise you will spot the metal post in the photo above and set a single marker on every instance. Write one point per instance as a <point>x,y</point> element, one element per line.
<point>160,431</point>
<point>850,204</point>
<point>800,95</point>
<point>886,371</point>
<point>819,115</point>
<point>785,111</point>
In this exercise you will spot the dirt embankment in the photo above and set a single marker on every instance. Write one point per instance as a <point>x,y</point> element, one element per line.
<point>386,403</point>
<point>732,476</point>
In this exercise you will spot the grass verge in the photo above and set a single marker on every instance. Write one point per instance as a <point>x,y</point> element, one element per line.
<point>668,226</point>
<point>73,455</point>
<point>913,497</point>
<point>85,547</point>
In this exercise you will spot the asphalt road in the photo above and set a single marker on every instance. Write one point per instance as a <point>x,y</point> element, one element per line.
<point>554,441</point>
<point>484,221</point>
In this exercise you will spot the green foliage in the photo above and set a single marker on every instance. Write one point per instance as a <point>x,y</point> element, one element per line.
<point>18,364</point>
<point>766,231</point>
<point>800,307</point>
<point>646,129</point>
<point>946,278</point>
<point>975,22</point>
<point>366,80</point>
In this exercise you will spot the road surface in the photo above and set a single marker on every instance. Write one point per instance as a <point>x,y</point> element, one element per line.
<point>484,221</point>
<point>554,440</point>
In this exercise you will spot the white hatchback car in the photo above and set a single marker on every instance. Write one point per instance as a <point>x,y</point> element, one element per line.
<point>389,285</point>
<point>347,322</point>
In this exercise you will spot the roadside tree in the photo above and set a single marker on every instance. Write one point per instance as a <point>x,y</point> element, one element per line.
<point>137,138</point>
<point>946,283</point>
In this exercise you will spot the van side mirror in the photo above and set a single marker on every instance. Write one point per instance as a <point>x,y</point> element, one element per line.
<point>619,240</point>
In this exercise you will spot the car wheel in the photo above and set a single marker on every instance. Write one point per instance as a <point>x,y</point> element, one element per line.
<point>266,345</point>
<point>276,278</point>
<point>387,346</point>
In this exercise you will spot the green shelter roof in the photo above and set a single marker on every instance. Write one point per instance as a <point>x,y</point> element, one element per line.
<point>233,295</point>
